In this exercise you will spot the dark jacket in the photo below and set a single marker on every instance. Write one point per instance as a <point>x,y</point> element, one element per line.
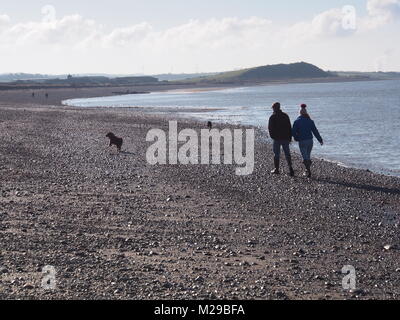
<point>304,128</point>
<point>279,126</point>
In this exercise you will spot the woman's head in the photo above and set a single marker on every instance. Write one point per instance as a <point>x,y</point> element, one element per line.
<point>303,110</point>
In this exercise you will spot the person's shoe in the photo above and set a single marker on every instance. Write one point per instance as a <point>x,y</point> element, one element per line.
<point>290,165</point>
<point>276,170</point>
<point>307,164</point>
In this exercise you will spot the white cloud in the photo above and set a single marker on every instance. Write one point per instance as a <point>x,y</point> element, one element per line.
<point>215,33</point>
<point>381,12</point>
<point>4,21</point>
<point>76,31</point>
<point>79,32</point>
<point>128,35</point>
<point>323,26</point>
<point>387,8</point>
<point>330,23</point>
<point>338,23</point>
<point>66,31</point>
<point>221,43</point>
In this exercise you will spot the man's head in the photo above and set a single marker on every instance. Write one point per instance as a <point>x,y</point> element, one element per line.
<point>276,107</point>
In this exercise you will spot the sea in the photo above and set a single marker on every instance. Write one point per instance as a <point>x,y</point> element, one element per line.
<point>359,121</point>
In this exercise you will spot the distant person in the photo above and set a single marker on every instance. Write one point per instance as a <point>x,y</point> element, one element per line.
<point>303,130</point>
<point>280,130</point>
<point>47,95</point>
<point>33,94</point>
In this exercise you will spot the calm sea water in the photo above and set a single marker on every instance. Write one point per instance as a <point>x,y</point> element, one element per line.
<point>359,121</point>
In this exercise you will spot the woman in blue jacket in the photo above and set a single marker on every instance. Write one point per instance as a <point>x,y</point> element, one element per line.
<point>303,130</point>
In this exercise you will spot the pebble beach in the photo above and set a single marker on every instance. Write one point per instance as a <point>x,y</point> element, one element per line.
<point>115,227</point>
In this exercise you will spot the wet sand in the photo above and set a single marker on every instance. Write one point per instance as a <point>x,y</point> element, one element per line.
<point>115,227</point>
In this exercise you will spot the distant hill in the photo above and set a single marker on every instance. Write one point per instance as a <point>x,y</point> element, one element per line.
<point>295,72</point>
<point>276,72</point>
<point>272,72</point>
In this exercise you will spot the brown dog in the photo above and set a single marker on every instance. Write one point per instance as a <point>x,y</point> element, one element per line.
<point>115,141</point>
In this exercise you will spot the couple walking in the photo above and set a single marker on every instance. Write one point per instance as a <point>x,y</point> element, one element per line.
<point>281,132</point>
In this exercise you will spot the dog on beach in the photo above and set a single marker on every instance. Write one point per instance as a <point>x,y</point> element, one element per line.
<point>114,140</point>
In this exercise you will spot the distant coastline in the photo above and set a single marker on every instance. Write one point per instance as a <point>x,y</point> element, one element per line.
<point>249,105</point>
<point>143,88</point>
<point>56,95</point>
<point>300,72</point>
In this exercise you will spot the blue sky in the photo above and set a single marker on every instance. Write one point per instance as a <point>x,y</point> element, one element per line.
<point>154,36</point>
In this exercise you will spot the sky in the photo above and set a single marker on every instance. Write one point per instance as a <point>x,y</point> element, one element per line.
<point>187,36</point>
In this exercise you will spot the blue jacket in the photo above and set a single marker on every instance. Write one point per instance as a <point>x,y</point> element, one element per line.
<point>304,128</point>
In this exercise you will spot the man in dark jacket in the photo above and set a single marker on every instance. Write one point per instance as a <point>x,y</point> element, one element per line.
<point>280,130</point>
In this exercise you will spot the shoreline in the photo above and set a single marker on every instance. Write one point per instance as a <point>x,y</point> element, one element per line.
<point>91,93</point>
<point>265,139</point>
<point>170,112</point>
<point>57,95</point>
